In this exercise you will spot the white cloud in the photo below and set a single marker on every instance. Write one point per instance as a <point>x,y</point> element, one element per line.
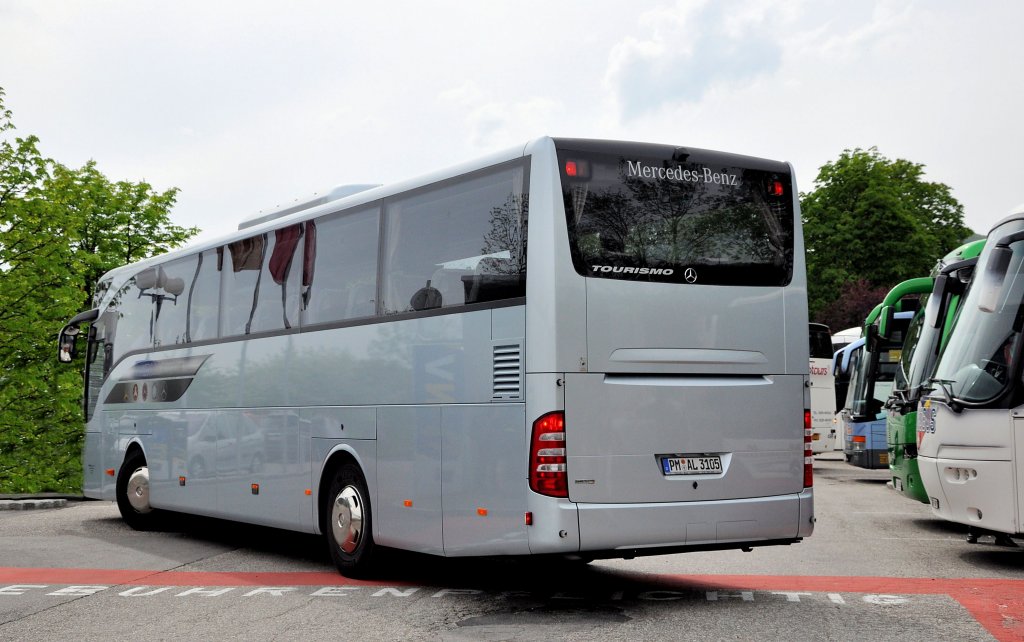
<point>689,49</point>
<point>244,105</point>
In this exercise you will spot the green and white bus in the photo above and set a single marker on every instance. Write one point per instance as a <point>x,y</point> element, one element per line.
<point>927,335</point>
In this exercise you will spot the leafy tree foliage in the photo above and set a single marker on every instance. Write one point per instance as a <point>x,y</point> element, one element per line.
<point>848,311</point>
<point>60,229</point>
<point>869,223</point>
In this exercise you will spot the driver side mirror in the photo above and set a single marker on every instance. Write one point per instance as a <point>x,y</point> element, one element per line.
<point>68,344</point>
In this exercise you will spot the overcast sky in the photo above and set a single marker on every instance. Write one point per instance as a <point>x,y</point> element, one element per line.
<point>246,105</point>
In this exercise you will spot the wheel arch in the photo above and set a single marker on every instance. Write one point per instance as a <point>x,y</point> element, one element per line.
<point>135,445</point>
<point>338,457</point>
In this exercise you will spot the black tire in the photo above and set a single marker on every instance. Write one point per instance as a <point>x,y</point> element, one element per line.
<point>134,478</point>
<point>348,522</point>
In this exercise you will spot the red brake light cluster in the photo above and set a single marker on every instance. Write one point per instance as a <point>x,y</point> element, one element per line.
<point>808,453</point>
<point>776,189</point>
<point>547,456</point>
<point>579,169</point>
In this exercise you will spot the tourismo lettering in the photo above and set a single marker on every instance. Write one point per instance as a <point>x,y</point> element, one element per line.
<point>631,270</point>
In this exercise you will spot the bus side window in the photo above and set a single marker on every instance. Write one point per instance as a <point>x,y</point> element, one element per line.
<point>261,283</point>
<point>462,242</point>
<point>203,299</point>
<point>170,297</point>
<point>341,274</point>
<point>131,312</point>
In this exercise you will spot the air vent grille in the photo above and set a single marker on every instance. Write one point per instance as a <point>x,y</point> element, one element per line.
<point>508,371</point>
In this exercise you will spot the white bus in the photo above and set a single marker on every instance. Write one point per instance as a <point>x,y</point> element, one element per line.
<point>379,368</point>
<point>970,428</point>
<point>845,337</point>
<point>824,435</point>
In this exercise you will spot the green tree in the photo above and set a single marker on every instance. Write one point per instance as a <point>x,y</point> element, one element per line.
<point>60,229</point>
<point>874,222</point>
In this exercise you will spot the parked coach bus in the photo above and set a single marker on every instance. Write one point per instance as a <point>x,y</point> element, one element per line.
<point>970,430</point>
<point>926,337</point>
<point>825,437</point>
<point>380,369</point>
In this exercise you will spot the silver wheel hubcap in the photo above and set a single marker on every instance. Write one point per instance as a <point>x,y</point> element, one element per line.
<point>347,519</point>
<point>138,490</point>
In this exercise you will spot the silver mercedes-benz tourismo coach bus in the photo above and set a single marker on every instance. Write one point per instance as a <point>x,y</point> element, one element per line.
<point>378,367</point>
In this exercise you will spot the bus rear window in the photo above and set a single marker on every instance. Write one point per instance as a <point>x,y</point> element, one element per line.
<point>660,213</point>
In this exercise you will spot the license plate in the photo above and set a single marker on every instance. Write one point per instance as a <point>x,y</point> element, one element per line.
<point>898,483</point>
<point>883,458</point>
<point>691,465</point>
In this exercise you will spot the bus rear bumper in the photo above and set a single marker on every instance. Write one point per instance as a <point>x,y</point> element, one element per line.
<point>734,523</point>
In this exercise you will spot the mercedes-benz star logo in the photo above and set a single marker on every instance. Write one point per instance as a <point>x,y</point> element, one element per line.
<point>690,275</point>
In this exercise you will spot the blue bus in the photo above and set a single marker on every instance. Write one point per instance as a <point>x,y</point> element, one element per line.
<point>871,364</point>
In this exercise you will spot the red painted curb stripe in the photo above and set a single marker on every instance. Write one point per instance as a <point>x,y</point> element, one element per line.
<point>996,604</point>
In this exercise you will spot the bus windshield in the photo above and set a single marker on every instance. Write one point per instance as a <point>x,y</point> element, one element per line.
<point>873,375</point>
<point>659,213</point>
<point>980,363</point>
<point>918,350</point>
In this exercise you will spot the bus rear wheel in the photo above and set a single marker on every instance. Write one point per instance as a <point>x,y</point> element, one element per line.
<point>132,492</point>
<point>348,522</point>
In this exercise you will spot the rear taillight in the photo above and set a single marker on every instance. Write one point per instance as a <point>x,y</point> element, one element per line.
<point>808,453</point>
<point>547,456</point>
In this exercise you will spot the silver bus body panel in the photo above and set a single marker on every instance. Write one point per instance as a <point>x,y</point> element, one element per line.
<point>616,426</point>
<point>684,329</point>
<point>416,381</point>
<point>967,462</point>
<point>556,322</point>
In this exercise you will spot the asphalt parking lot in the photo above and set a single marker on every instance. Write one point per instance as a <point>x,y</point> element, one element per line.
<point>877,566</point>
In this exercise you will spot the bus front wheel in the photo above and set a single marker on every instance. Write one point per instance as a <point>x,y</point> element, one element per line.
<point>349,526</point>
<point>133,493</point>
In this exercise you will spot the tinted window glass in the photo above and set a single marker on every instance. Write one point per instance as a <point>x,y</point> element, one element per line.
<point>130,314</point>
<point>260,288</point>
<point>911,345</point>
<point>821,342</point>
<point>97,363</point>
<point>170,296</point>
<point>462,242</point>
<point>203,299</point>
<point>657,213</point>
<point>340,273</point>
